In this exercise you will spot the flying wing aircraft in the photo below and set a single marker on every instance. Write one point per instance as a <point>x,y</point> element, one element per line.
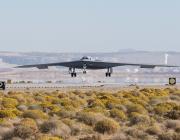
<point>87,63</point>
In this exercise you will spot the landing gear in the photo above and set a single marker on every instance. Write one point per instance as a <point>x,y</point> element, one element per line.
<point>72,72</point>
<point>84,69</point>
<point>109,72</point>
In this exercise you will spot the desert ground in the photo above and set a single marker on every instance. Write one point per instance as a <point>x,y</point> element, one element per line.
<point>91,113</point>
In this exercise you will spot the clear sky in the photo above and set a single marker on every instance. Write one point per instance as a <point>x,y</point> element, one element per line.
<point>89,25</point>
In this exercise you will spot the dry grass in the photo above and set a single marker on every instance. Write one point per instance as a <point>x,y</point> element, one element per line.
<point>91,115</point>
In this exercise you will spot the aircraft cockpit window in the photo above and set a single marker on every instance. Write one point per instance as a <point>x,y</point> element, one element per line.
<point>85,58</point>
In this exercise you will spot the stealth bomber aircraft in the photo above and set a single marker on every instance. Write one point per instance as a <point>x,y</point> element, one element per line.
<point>88,63</point>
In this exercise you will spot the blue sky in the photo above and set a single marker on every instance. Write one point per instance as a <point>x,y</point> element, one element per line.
<point>89,25</point>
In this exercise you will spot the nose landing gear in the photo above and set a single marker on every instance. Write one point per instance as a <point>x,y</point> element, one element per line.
<point>84,69</point>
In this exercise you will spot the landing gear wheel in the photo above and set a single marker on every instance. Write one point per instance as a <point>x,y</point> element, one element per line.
<point>108,74</point>
<point>84,72</point>
<point>73,74</point>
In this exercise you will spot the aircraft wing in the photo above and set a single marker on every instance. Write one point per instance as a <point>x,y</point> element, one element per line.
<point>92,65</point>
<point>45,66</point>
<point>136,64</point>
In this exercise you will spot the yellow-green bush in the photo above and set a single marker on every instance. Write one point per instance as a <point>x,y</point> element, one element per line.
<point>19,97</point>
<point>141,112</point>
<point>136,108</point>
<point>68,121</point>
<point>51,107</point>
<point>66,102</point>
<point>163,108</point>
<point>28,122</point>
<point>9,102</point>
<point>119,114</point>
<point>46,137</point>
<point>8,113</point>
<point>35,114</point>
<point>97,110</point>
<point>95,103</point>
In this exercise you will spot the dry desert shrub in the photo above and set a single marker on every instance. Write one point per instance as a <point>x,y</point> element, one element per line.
<point>34,107</point>
<point>175,98</point>
<point>136,118</point>
<point>29,123</point>
<point>26,128</point>
<point>6,132</point>
<point>163,108</point>
<point>108,126</point>
<point>154,130</point>
<point>97,109</point>
<point>136,108</point>
<point>49,107</point>
<point>173,124</point>
<point>173,114</point>
<point>56,128</point>
<point>7,135</point>
<point>93,137</point>
<point>68,121</point>
<point>89,118</point>
<point>34,114</point>
<point>66,114</point>
<point>145,114</point>
<point>169,136</point>
<point>47,137</point>
<point>23,132</point>
<point>119,136</point>
<point>137,134</point>
<point>80,129</point>
<point>95,103</point>
<point>48,126</point>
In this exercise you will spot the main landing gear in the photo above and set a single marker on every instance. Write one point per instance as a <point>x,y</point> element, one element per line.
<point>72,72</point>
<point>109,72</point>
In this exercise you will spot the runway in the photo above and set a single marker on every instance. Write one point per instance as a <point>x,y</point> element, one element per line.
<point>60,79</point>
<point>95,86</point>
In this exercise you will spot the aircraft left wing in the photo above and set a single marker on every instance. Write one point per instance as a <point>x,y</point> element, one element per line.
<point>45,66</point>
